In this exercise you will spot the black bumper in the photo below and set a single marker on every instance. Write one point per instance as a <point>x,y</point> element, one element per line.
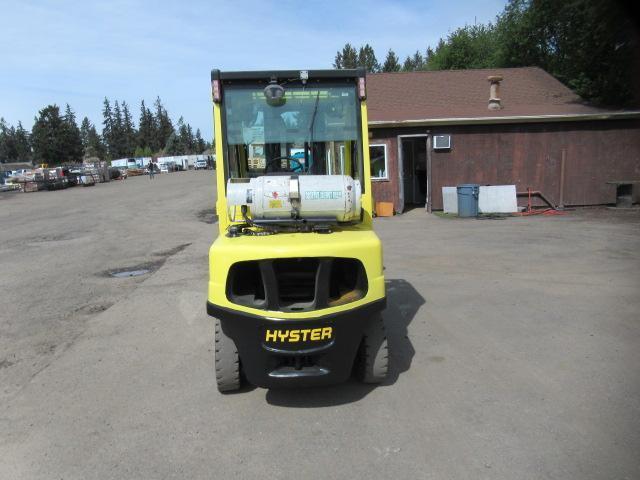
<point>296,364</point>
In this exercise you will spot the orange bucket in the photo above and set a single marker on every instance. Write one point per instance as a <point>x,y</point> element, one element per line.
<point>384,209</point>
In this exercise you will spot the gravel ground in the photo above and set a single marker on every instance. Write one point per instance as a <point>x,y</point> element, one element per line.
<point>515,347</point>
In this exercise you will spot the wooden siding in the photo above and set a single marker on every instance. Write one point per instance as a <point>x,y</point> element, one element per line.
<point>527,155</point>
<point>387,190</point>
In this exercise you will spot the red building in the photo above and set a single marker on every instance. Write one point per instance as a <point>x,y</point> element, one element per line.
<point>493,127</point>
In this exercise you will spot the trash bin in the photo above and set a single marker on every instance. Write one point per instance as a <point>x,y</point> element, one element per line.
<point>468,200</point>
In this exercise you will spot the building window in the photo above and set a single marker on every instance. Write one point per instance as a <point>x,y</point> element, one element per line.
<point>378,156</point>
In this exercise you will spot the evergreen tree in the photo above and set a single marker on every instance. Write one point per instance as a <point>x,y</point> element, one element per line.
<point>201,146</point>
<point>91,142</point>
<point>48,136</point>
<point>428,58</point>
<point>183,137</point>
<point>143,152</point>
<point>108,129</point>
<point>391,62</point>
<point>418,61</point>
<point>72,141</point>
<point>181,133</point>
<point>186,140</point>
<point>347,58</point>
<point>146,128</point>
<point>3,140</point>
<point>414,63</point>
<point>164,125</point>
<point>85,126</point>
<point>173,146</point>
<point>57,138</point>
<point>128,131</point>
<point>367,59</point>
<point>408,65</point>
<point>95,146</point>
<point>22,144</point>
<point>8,152</point>
<point>118,137</point>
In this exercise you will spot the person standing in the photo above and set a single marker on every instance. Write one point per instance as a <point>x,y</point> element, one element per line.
<point>151,171</point>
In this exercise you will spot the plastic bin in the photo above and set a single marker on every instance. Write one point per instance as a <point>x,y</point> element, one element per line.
<point>468,200</point>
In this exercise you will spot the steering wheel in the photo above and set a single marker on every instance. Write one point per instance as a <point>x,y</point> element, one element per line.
<point>284,157</point>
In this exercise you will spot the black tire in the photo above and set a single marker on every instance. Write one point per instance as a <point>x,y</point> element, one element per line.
<point>227,361</point>
<point>373,355</point>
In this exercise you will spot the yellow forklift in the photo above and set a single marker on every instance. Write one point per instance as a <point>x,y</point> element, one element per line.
<point>296,283</point>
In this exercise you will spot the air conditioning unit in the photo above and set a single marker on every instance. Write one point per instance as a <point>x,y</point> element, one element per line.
<point>441,142</point>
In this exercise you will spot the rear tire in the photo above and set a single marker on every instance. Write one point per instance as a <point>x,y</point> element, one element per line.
<point>227,361</point>
<point>373,355</point>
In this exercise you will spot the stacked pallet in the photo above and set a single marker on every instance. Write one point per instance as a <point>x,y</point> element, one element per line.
<point>32,186</point>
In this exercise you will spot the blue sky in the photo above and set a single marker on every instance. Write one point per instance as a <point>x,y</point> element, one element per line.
<point>79,52</point>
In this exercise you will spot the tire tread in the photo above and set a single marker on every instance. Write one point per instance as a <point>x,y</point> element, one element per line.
<point>373,356</point>
<point>227,361</point>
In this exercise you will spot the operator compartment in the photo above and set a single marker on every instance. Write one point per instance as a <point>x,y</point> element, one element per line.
<point>293,152</point>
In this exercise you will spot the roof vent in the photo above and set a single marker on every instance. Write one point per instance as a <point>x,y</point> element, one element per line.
<point>494,92</point>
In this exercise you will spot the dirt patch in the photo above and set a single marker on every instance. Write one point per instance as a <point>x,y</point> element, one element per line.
<point>93,308</point>
<point>51,238</point>
<point>5,363</point>
<point>46,348</point>
<point>172,251</point>
<point>481,216</point>
<point>208,215</point>
<point>146,267</point>
<point>608,214</point>
<point>7,194</point>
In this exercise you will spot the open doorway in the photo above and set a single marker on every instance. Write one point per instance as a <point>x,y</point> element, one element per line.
<point>413,170</point>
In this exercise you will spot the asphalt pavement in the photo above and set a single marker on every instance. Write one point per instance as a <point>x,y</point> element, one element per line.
<point>514,344</point>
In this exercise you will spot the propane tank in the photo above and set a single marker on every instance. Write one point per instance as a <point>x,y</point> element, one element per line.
<point>290,196</point>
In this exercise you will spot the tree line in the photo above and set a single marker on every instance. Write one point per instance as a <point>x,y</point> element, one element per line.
<point>589,45</point>
<point>56,137</point>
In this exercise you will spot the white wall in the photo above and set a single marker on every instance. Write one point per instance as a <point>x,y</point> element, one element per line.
<point>492,199</point>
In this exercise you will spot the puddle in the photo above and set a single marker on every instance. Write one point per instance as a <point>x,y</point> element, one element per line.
<point>130,273</point>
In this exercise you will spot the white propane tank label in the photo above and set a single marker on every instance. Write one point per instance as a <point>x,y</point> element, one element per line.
<point>327,196</point>
<point>274,201</point>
